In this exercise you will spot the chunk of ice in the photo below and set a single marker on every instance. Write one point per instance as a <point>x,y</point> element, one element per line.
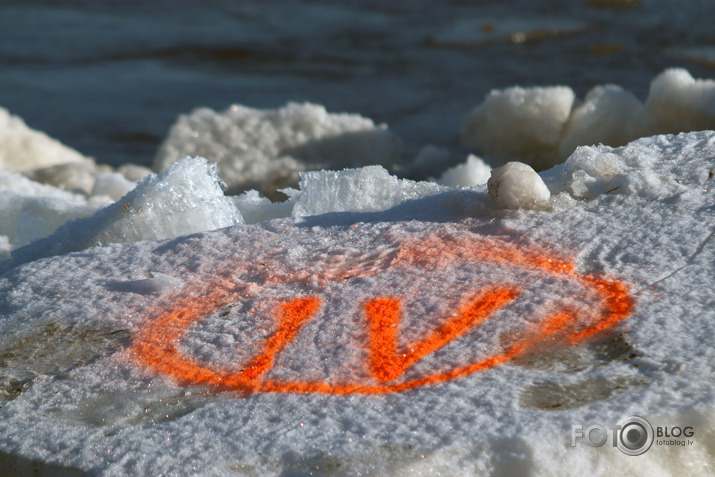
<point>630,170</point>
<point>609,115</point>
<point>531,123</point>
<point>516,185</point>
<point>156,284</point>
<point>112,184</point>
<point>185,199</point>
<point>474,171</point>
<point>367,189</point>
<point>520,122</point>
<point>265,149</point>
<point>5,247</point>
<point>29,210</point>
<point>430,162</point>
<point>23,148</point>
<point>78,176</point>
<point>255,209</point>
<point>677,103</point>
<point>73,398</point>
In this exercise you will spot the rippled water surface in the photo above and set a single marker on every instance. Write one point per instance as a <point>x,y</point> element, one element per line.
<point>109,78</point>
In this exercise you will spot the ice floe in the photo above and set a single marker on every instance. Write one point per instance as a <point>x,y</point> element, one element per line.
<point>474,171</point>
<point>445,334</point>
<point>265,149</point>
<point>184,199</point>
<point>520,122</point>
<point>543,125</point>
<point>23,148</point>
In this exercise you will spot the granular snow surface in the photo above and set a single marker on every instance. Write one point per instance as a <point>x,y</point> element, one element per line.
<point>443,336</point>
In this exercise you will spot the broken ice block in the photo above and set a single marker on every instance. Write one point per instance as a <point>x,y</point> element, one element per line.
<point>367,189</point>
<point>265,149</point>
<point>185,199</point>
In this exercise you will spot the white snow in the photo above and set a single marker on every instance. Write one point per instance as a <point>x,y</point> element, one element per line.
<point>75,395</point>
<point>542,126</point>
<point>609,115</point>
<point>520,122</point>
<point>186,198</point>
<point>23,148</point>
<point>516,185</point>
<point>474,171</point>
<point>368,189</point>
<point>678,102</point>
<point>265,149</point>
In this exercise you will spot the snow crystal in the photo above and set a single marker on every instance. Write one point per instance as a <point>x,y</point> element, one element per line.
<point>265,149</point>
<point>184,199</point>
<point>516,185</point>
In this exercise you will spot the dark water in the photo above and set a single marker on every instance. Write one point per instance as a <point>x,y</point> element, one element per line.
<point>109,78</point>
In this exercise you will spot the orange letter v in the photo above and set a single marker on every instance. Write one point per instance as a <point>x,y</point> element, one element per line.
<point>383,317</point>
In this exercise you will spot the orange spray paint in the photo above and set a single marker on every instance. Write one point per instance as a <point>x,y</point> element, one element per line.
<point>156,344</point>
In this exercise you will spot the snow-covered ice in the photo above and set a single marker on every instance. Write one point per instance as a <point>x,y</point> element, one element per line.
<point>368,189</point>
<point>30,210</point>
<point>23,148</point>
<point>520,122</point>
<point>516,185</point>
<point>543,125</point>
<point>474,171</point>
<point>186,198</point>
<point>423,330</point>
<point>265,149</point>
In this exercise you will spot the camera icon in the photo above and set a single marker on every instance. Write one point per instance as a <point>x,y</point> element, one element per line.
<point>634,435</point>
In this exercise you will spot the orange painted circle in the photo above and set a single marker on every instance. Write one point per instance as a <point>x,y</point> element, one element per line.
<point>156,345</point>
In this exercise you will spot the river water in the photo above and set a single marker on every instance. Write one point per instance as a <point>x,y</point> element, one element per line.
<point>110,78</point>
